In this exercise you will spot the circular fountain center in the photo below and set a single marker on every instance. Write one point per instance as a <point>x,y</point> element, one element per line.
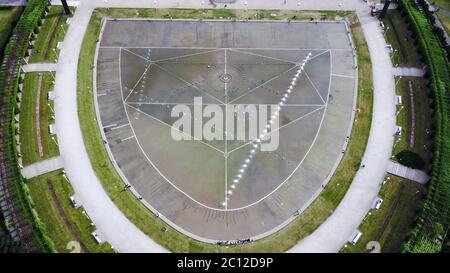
<point>225,77</point>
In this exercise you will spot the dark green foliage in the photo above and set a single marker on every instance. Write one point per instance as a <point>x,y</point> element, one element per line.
<point>410,159</point>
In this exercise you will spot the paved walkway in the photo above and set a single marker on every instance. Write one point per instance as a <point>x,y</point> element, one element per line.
<point>43,167</point>
<point>110,222</point>
<point>434,8</point>
<point>121,233</point>
<point>409,71</point>
<point>39,67</point>
<point>398,169</point>
<point>72,3</point>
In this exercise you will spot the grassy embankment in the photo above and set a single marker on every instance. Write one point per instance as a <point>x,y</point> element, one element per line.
<point>8,17</point>
<point>28,125</point>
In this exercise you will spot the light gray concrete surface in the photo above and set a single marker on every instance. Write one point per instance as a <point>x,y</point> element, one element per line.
<point>398,169</point>
<point>43,167</point>
<point>330,236</point>
<point>39,67</point>
<point>408,71</point>
<point>270,195</point>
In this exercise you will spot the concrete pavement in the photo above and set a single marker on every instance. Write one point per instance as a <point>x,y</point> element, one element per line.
<point>338,229</point>
<point>110,222</point>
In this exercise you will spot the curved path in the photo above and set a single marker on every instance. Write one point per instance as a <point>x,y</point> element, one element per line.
<point>114,227</point>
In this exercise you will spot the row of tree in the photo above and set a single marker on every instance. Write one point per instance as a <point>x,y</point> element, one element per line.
<point>20,219</point>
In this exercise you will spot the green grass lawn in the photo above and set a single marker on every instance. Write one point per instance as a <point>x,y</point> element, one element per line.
<point>51,32</point>
<point>316,213</point>
<point>408,55</point>
<point>28,132</point>
<point>399,37</point>
<point>390,225</point>
<point>423,119</point>
<point>8,15</point>
<point>63,223</point>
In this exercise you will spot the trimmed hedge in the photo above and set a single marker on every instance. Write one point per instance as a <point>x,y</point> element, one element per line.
<point>22,217</point>
<point>410,159</point>
<point>429,233</point>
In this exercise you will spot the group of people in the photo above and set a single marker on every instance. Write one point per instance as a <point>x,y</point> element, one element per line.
<point>237,242</point>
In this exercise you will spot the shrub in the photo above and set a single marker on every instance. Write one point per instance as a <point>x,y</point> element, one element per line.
<point>410,159</point>
<point>24,218</point>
